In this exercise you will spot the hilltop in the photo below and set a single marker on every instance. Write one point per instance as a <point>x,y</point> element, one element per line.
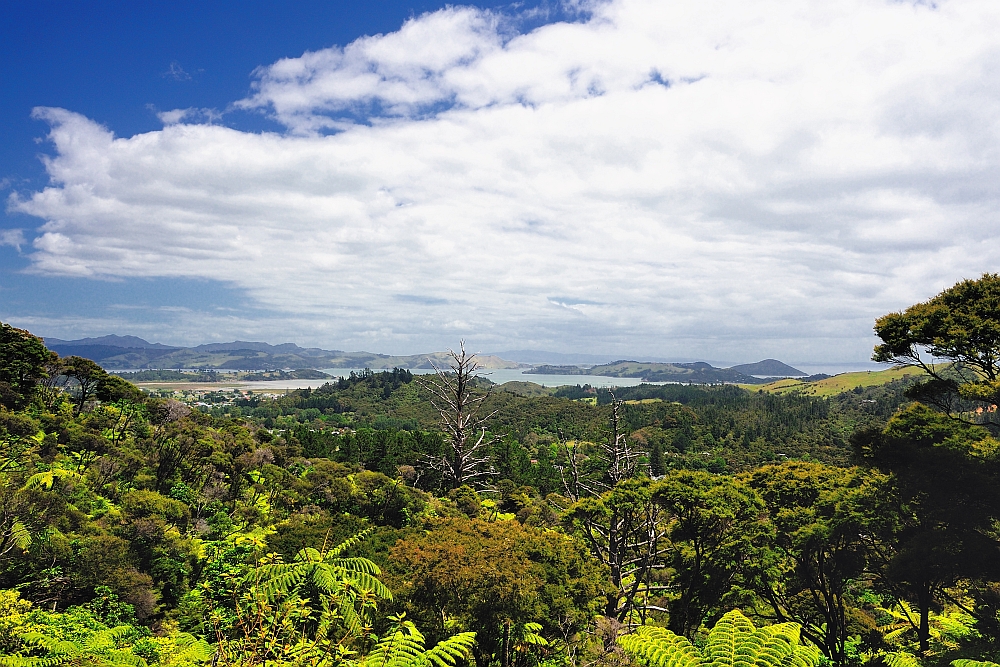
<point>768,368</point>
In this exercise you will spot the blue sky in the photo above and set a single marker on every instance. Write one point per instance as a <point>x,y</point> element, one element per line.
<point>119,63</point>
<point>721,180</point>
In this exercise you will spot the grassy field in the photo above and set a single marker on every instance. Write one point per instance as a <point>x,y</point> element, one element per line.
<point>836,384</point>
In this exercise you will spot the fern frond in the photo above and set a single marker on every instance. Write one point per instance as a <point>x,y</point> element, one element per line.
<point>125,659</point>
<point>733,642</point>
<point>803,656</point>
<point>283,583</point>
<point>308,555</point>
<point>899,659</point>
<point>106,639</point>
<point>397,649</point>
<point>51,644</point>
<point>20,535</point>
<point>22,661</point>
<point>447,652</point>
<point>964,662</point>
<point>194,649</point>
<point>46,480</point>
<point>350,617</point>
<point>349,543</point>
<point>355,565</point>
<point>726,641</point>
<point>659,647</point>
<point>367,582</point>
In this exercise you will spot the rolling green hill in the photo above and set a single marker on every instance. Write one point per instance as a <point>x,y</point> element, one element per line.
<point>838,383</point>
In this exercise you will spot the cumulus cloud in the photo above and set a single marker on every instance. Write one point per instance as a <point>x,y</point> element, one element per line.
<point>12,237</point>
<point>724,179</point>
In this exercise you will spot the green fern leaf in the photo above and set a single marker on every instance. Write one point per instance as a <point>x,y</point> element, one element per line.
<point>727,637</point>
<point>447,652</point>
<point>193,649</point>
<point>355,565</point>
<point>21,536</point>
<point>658,647</point>
<point>733,642</point>
<point>900,659</point>
<point>51,644</point>
<point>349,543</point>
<point>367,582</point>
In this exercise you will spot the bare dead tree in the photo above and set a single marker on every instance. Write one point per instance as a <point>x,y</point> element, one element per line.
<point>466,458</point>
<point>573,482</point>
<point>620,457</point>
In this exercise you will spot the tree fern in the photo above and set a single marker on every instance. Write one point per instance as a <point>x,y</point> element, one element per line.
<point>733,642</point>
<point>327,572</point>
<point>97,650</point>
<point>46,480</point>
<point>898,659</point>
<point>192,649</point>
<point>403,646</point>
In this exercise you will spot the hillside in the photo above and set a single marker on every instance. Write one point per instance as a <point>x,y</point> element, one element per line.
<point>838,384</point>
<point>133,353</point>
<point>696,373</point>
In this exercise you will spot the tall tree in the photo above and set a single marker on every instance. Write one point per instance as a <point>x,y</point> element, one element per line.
<point>715,529</point>
<point>88,375</point>
<point>22,363</point>
<point>620,457</point>
<point>466,459</point>
<point>961,325</point>
<point>947,491</point>
<point>819,516</point>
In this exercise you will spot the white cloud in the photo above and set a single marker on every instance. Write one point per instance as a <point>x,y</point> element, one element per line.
<point>12,237</point>
<point>725,179</point>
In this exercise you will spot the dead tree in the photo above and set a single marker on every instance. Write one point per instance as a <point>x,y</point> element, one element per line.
<point>620,457</point>
<point>573,481</point>
<point>466,458</point>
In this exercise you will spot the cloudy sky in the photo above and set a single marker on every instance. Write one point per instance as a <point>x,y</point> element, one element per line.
<point>717,179</point>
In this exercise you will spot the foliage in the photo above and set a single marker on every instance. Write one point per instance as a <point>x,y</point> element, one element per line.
<point>209,529</point>
<point>960,325</point>
<point>733,641</point>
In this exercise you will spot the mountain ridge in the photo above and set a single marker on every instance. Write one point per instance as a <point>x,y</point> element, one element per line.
<point>699,372</point>
<point>134,353</point>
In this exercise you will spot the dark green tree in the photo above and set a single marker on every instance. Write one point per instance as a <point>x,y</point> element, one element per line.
<point>22,364</point>
<point>714,529</point>
<point>88,376</point>
<point>818,517</point>
<point>947,494</point>
<point>961,325</point>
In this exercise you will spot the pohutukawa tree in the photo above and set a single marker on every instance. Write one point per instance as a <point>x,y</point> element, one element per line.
<point>961,327</point>
<point>466,457</point>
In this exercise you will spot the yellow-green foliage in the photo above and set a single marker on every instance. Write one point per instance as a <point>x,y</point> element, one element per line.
<point>837,384</point>
<point>733,642</point>
<point>403,646</point>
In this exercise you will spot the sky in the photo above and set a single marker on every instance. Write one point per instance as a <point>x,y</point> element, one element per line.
<point>648,178</point>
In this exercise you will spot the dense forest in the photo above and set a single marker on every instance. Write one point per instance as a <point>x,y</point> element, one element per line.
<point>439,520</point>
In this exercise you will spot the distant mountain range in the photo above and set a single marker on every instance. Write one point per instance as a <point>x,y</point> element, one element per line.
<point>695,373</point>
<point>133,353</point>
<point>544,357</point>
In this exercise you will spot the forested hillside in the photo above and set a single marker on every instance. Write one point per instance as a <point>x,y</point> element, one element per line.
<point>440,520</point>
